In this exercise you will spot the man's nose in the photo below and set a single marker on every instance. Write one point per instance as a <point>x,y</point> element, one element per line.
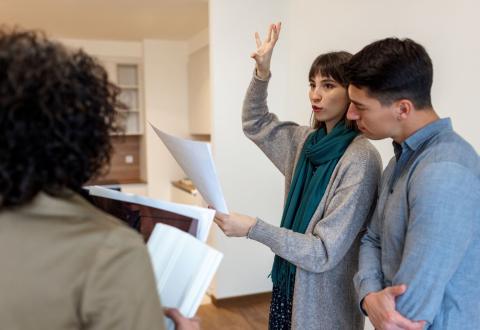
<point>352,113</point>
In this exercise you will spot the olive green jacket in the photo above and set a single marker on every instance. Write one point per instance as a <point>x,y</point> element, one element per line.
<point>67,265</point>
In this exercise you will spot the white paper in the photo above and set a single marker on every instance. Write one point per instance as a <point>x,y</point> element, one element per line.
<point>203,215</point>
<point>183,268</point>
<point>195,158</point>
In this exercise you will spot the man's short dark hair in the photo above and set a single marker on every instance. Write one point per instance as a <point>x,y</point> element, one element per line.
<point>392,69</point>
<point>57,109</point>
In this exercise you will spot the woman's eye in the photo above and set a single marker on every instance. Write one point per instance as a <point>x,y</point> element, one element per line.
<point>329,86</point>
<point>312,85</point>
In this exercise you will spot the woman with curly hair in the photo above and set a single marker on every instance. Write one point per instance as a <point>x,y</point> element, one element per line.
<point>65,264</point>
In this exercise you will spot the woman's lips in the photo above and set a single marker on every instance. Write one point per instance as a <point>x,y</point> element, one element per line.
<point>316,109</point>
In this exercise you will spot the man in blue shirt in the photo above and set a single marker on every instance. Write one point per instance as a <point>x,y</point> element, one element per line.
<point>420,258</point>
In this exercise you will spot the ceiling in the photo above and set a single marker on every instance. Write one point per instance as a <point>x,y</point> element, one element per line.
<point>109,19</point>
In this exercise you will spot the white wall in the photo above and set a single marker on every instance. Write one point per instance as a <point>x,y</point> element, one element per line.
<point>250,182</point>
<point>166,94</point>
<point>447,29</point>
<point>199,109</point>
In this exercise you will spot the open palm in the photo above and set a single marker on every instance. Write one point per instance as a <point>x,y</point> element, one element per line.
<point>263,54</point>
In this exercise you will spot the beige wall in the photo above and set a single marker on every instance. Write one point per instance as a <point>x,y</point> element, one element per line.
<point>251,184</point>
<point>166,107</point>
<point>165,84</point>
<point>199,107</point>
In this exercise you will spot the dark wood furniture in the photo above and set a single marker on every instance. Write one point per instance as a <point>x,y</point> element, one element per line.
<point>143,218</point>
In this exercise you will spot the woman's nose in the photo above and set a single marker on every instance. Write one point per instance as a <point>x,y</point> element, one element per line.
<point>317,94</point>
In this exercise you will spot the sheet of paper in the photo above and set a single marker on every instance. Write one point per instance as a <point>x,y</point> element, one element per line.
<point>203,215</point>
<point>195,158</point>
<point>183,267</point>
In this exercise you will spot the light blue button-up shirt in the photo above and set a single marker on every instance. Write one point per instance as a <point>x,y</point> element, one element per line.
<point>425,231</point>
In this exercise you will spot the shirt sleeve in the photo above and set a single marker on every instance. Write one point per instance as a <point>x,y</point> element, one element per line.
<point>444,200</point>
<point>369,277</point>
<point>120,291</point>
<point>274,137</point>
<point>333,235</point>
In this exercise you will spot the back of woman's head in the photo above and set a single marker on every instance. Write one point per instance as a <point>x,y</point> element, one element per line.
<point>57,109</point>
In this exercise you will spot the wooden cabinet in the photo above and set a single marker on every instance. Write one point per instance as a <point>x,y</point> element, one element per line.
<point>128,158</point>
<point>127,74</point>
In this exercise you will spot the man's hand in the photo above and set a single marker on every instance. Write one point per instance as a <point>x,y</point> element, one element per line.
<point>234,224</point>
<point>380,307</point>
<point>181,322</point>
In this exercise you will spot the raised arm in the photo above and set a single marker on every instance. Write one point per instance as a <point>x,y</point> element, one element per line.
<point>278,140</point>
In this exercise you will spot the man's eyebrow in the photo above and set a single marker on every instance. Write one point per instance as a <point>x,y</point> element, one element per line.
<point>357,103</point>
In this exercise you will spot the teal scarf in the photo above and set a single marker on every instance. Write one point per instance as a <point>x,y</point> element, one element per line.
<point>315,166</point>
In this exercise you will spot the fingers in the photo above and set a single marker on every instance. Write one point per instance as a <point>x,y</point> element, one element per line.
<point>269,33</point>
<point>220,215</point>
<point>404,323</point>
<point>272,33</point>
<point>258,40</point>
<point>276,31</point>
<point>173,313</point>
<point>279,27</point>
<point>219,219</point>
<point>397,290</point>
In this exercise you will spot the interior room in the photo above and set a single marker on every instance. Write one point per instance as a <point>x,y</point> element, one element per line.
<point>184,66</point>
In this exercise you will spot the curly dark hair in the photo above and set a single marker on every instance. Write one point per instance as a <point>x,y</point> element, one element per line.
<point>57,110</point>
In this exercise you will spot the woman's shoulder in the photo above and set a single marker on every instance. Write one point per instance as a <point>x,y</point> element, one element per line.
<point>361,152</point>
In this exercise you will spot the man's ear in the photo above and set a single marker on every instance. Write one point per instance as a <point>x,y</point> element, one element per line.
<point>403,109</point>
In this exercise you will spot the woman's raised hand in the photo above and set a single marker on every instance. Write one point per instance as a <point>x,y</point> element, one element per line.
<point>263,54</point>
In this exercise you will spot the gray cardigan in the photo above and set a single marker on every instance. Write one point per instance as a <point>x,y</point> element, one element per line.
<point>326,256</point>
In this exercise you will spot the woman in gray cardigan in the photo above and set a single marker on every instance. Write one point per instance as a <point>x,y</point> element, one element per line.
<point>331,175</point>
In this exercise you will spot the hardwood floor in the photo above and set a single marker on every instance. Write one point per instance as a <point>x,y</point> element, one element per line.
<point>240,313</point>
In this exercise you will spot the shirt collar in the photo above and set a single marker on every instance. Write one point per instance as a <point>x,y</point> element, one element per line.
<point>419,137</point>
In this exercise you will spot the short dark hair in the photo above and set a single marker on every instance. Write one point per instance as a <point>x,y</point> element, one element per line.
<point>392,69</point>
<point>57,109</point>
<point>331,65</point>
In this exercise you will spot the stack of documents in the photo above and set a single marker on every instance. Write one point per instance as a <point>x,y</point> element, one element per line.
<point>183,264</point>
<point>183,267</point>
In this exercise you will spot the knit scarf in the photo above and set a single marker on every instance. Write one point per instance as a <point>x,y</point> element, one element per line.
<point>320,154</point>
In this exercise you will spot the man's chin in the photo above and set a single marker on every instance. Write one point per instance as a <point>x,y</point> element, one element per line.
<point>369,135</point>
